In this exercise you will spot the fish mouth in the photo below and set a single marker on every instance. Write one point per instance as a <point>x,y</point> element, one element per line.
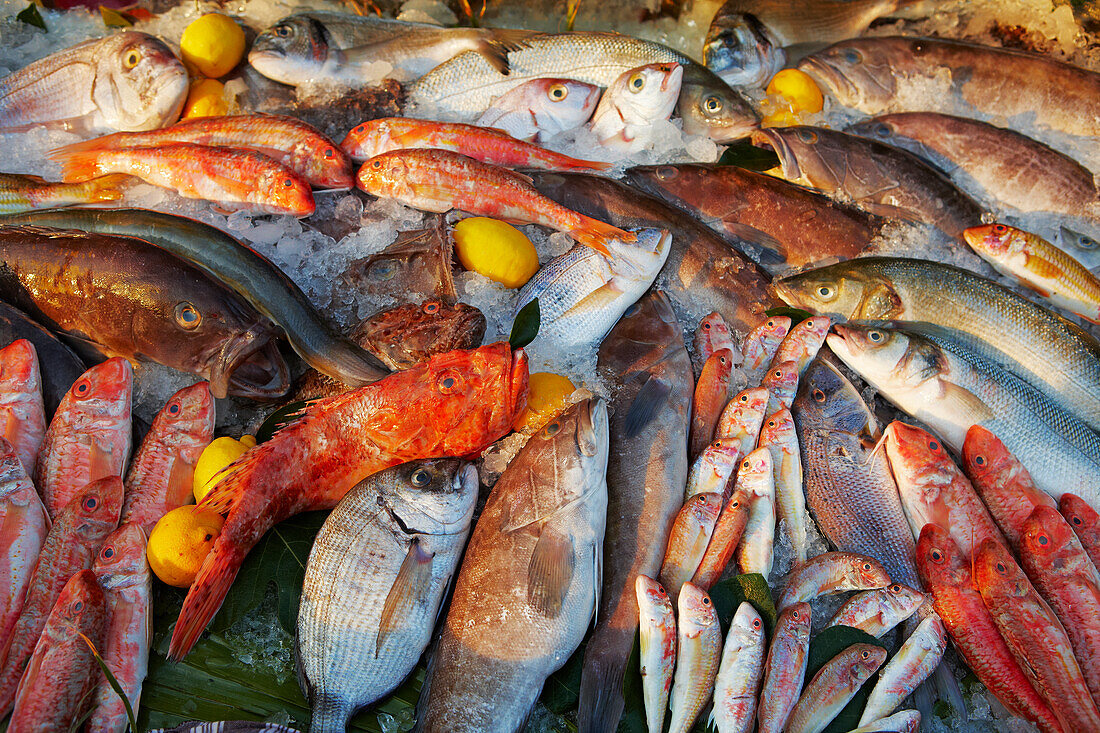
<point>733,130</point>
<point>770,140</point>
<point>592,426</point>
<point>250,365</point>
<point>827,74</point>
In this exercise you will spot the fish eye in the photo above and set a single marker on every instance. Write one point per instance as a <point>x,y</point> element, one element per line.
<point>937,555</point>
<point>706,600</point>
<point>722,360</point>
<point>933,445</point>
<point>876,336</point>
<point>661,591</point>
<point>420,477</point>
<point>666,173</point>
<point>756,624</point>
<point>712,105</point>
<point>82,388</point>
<point>187,316</point>
<point>706,326</point>
<point>329,152</point>
<point>431,307</point>
<point>807,136</point>
<point>361,129</point>
<point>979,460</point>
<point>282,31</point>
<point>778,373</point>
<point>174,408</point>
<point>895,588</point>
<point>852,56</point>
<point>818,395</point>
<point>866,567</point>
<point>1077,521</point>
<point>131,58</point>
<point>287,183</point>
<point>108,552</point>
<point>89,503</point>
<point>1002,568</point>
<point>557,92</point>
<point>865,655</point>
<point>79,605</point>
<point>771,423</point>
<point>376,165</point>
<point>825,292</point>
<point>637,82</point>
<point>1043,540</point>
<point>882,129</point>
<point>384,270</point>
<point>770,324</point>
<point>744,398</point>
<point>999,229</point>
<point>735,503</point>
<point>449,381</point>
<point>1086,242</point>
<point>553,428</point>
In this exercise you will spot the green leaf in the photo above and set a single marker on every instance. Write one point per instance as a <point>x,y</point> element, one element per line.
<point>112,681</point>
<point>744,154</point>
<point>31,16</point>
<point>797,315</point>
<point>728,594</point>
<point>526,326</point>
<point>114,19</point>
<point>279,419</point>
<point>824,647</point>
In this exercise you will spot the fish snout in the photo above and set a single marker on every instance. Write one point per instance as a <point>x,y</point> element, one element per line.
<point>592,426</point>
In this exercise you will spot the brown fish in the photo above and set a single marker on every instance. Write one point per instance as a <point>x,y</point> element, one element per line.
<point>418,263</point>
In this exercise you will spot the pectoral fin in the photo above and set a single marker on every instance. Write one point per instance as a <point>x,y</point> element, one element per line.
<point>647,404</point>
<point>550,572</point>
<point>961,400</point>
<point>101,462</point>
<point>410,588</point>
<point>495,50</point>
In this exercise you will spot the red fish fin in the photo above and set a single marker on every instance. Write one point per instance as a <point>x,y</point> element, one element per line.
<point>101,462</point>
<point>223,495</point>
<point>107,188</point>
<point>205,596</point>
<point>595,234</point>
<point>107,142</point>
<point>567,163</point>
<point>77,166</point>
<point>181,484</point>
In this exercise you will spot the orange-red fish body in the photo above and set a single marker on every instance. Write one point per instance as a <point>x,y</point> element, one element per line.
<point>24,193</point>
<point>1085,522</point>
<point>713,334</point>
<point>832,572</point>
<point>742,417</point>
<point>688,541</point>
<point>784,669</point>
<point>728,529</point>
<point>761,344</point>
<point>802,343</point>
<point>22,414</point>
<point>23,528</point>
<point>711,394</point>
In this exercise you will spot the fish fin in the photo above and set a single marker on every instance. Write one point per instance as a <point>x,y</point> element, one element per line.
<point>501,42</point>
<point>550,572</point>
<point>105,142</point>
<point>101,462</point>
<point>761,246</point>
<point>966,401</point>
<point>223,495</point>
<point>647,404</point>
<point>595,234</point>
<point>108,187</point>
<point>601,699</point>
<point>77,166</point>
<point>409,589</point>
<point>598,300</point>
<point>181,482</point>
<point>206,594</point>
<point>1044,268</point>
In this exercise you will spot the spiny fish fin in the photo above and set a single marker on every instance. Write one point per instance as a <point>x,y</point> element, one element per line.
<point>647,404</point>
<point>503,41</point>
<point>760,245</point>
<point>962,399</point>
<point>550,572</point>
<point>409,589</point>
<point>205,595</point>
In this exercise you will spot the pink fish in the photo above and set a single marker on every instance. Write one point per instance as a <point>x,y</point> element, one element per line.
<point>761,345</point>
<point>22,414</point>
<point>23,529</point>
<point>1085,522</point>
<point>540,109</point>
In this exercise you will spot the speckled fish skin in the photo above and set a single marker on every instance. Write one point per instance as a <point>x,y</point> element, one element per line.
<point>833,686</point>
<point>742,417</point>
<point>634,102</point>
<point>781,381</point>
<point>1085,522</point>
<point>785,668</point>
<point>688,540</point>
<point>529,580</point>
<point>24,193</point>
<point>71,545</point>
<point>712,471</point>
<point>541,109</point>
<point>756,477</point>
<point>126,81</point>
<point>1062,572</point>
<point>761,345</point>
<point>23,528</point>
<point>161,477</point>
<point>832,572</point>
<point>779,435</point>
<point>1035,636</point>
<point>713,334</point>
<point>711,395</point>
<point>802,343</point>
<point>878,611</point>
<point>699,654</point>
<point>946,575</point>
<point>911,665</point>
<point>123,574</point>
<point>1002,482</point>
<point>724,540</point>
<point>376,578</point>
<point>54,692</point>
<point>739,673</point>
<point>657,635</point>
<point>22,413</point>
<point>907,721</point>
<point>89,436</point>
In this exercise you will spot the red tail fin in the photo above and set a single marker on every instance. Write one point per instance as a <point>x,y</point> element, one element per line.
<point>106,142</point>
<point>595,234</point>
<point>207,593</point>
<point>78,166</point>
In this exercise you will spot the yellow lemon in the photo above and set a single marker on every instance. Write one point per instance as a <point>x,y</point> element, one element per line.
<point>545,398</point>
<point>781,117</point>
<point>496,250</point>
<point>213,44</point>
<point>205,99</point>
<point>216,456</point>
<point>798,90</point>
<point>180,541</point>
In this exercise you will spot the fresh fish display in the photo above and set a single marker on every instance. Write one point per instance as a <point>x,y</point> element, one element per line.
<point>634,103</point>
<point>739,672</point>
<point>472,396</point>
<point>832,572</point>
<point>126,81</point>
<point>375,581</point>
<point>529,581</point>
<point>742,50</point>
<point>651,369</point>
<point>1085,522</point>
<point>583,293</point>
<point>22,413</point>
<point>657,636</point>
<point>688,540</point>
<point>741,419</point>
<point>541,109</point>
<point>732,522</point>
<point>24,525</point>
<point>711,395</point>
<point>23,193</point>
<point>1081,247</point>
<point>467,84</point>
<point>184,318</point>
<point>161,477</point>
<point>785,668</point>
<point>757,479</point>
<point>779,435</point>
<point>907,721</point>
<point>781,381</point>
<point>713,334</point>
<point>878,611</point>
<point>911,665</point>
<point>833,686</point>
<point>699,652</point>
<point>761,345</point>
<point>65,366</point>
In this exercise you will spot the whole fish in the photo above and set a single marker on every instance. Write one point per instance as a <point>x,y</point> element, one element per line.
<point>71,545</point>
<point>376,578</point>
<point>949,389</point>
<point>583,293</point>
<point>732,522</point>
<point>711,395</point>
<point>781,381</point>
<point>911,665</point>
<point>933,489</point>
<point>757,479</point>
<point>832,572</point>
<point>741,419</point>
<point>712,470</point>
<point>877,75</point>
<point>473,396</point>
<point>737,202</point>
<point>439,180</point>
<point>657,637</point>
<point>779,435</point>
<point>342,48</point>
<point>807,21</point>
<point>417,263</point>
<point>23,193</point>
<point>541,109</point>
<point>906,721</point>
<point>161,477</point>
<point>467,84</point>
<point>1039,265</point>
<point>739,673</point>
<point>184,318</point>
<point>54,694</point>
<point>635,102</point>
<point>802,343</point>
<point>23,527</point>
<point>1085,522</point>
<point>878,611</point>
<point>761,345</point>
<point>990,320</point>
<point>1035,636</point>
<point>713,334</point>
<point>990,162</point>
<point>946,575</point>
<point>644,355</point>
<point>698,656</point>
<point>126,81</point>
<point>529,580</point>
<point>89,436</point>
<point>1062,572</point>
<point>230,177</point>
<point>123,574</point>
<point>785,668</point>
<point>880,179</point>
<point>65,366</point>
<point>22,413</point>
<point>1001,481</point>
<point>688,540</point>
<point>741,50</point>
<point>287,140</point>
<point>833,687</point>
<point>488,145</point>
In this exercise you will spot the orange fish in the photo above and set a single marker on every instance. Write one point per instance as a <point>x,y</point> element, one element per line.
<point>723,540</point>
<point>22,414</point>
<point>439,180</point>
<point>233,178</point>
<point>486,144</point>
<point>287,140</point>
<point>711,394</point>
<point>161,477</point>
<point>455,404</point>
<point>24,193</point>
<point>23,528</point>
<point>1085,522</point>
<point>688,540</point>
<point>761,345</point>
<point>713,334</point>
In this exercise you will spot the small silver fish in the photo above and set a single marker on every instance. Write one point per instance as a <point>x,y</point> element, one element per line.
<point>540,109</point>
<point>637,100</point>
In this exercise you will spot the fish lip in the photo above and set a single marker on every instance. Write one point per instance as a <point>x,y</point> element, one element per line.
<point>734,131</point>
<point>828,75</point>
<point>766,138</point>
<point>254,347</point>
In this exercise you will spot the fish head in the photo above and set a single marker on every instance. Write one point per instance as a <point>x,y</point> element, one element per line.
<point>410,333</point>
<point>766,336</point>
<point>371,138</point>
<point>939,560</point>
<point>922,467</point>
<point>417,263</point>
<point>858,73</point>
<point>844,290</point>
<point>121,560</point>
<point>19,368</point>
<point>713,332</point>
<point>749,625</point>
<point>862,661</point>
<point>293,51</point>
<point>326,165</point>
<point>639,261</point>
<point>865,572</point>
<point>811,332</point>
<point>653,600</point>
<point>716,462</point>
<point>778,428</point>
<point>745,409</point>
<point>755,467</point>
<point>742,51</point>
<point>721,363</point>
<point>709,107</point>
<point>812,156</point>
<point>903,597</point>
<point>104,391</point>
<point>386,176</point>
<point>1049,538</point>
<point>432,497</point>
<point>796,620</point>
<point>139,83</point>
<point>985,458</point>
<point>82,604</point>
<point>285,192</point>
<point>556,105</point>
<point>579,434</point>
<point>782,378</point>
<point>188,416</point>
<point>646,94</point>
<point>997,574</point>
<point>1080,515</point>
<point>995,240</point>
<point>882,356</point>
<point>94,507</point>
<point>696,612</point>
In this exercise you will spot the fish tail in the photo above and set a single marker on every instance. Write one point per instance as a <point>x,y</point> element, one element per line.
<point>79,166</point>
<point>565,163</point>
<point>207,593</point>
<point>601,702</point>
<point>596,234</point>
<point>106,142</point>
<point>107,188</point>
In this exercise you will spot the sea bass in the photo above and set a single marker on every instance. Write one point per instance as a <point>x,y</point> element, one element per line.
<point>833,687</point>
<point>634,104</point>
<point>376,578</point>
<point>22,413</point>
<point>1085,522</point>
<point>911,665</point>
<point>698,657</point>
<point>24,193</point>
<point>65,366</point>
<point>657,636</point>
<point>785,668</point>
<point>832,572</point>
<point>23,527</point>
<point>529,580</point>
<point>541,109</point>
<point>474,397</point>
<point>739,673</point>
